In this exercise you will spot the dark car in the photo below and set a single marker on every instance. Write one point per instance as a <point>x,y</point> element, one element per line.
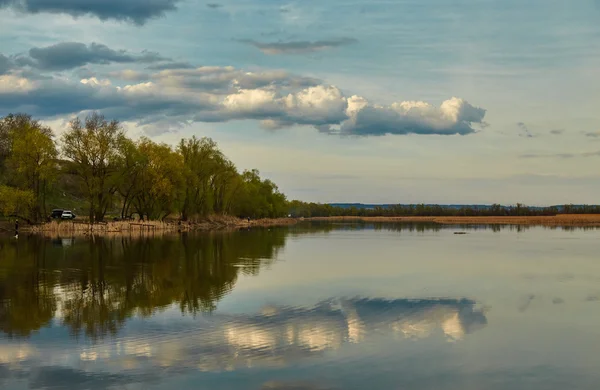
<point>56,213</point>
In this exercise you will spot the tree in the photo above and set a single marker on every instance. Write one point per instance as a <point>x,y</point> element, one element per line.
<point>34,159</point>
<point>93,148</point>
<point>159,183</point>
<point>15,202</point>
<point>28,155</point>
<point>131,168</point>
<point>202,160</point>
<point>260,199</point>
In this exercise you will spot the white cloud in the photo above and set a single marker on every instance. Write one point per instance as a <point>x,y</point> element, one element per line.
<point>95,82</point>
<point>219,94</point>
<point>15,84</point>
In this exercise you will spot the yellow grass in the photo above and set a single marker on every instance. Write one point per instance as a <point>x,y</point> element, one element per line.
<point>558,220</point>
<point>120,228</point>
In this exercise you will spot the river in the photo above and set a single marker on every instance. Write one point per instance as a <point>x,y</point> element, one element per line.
<point>306,307</point>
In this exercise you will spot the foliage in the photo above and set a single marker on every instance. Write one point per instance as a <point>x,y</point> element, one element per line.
<point>105,172</point>
<point>115,279</point>
<point>302,209</point>
<point>158,180</point>
<point>260,198</point>
<point>93,148</point>
<point>28,160</point>
<point>15,202</point>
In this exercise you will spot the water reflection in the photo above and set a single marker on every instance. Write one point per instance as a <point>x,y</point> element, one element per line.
<point>275,337</point>
<point>190,311</point>
<point>93,286</point>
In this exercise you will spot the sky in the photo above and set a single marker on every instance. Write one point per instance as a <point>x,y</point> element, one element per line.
<point>373,101</point>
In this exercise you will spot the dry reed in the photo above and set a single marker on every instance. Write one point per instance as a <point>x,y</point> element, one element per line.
<point>557,220</point>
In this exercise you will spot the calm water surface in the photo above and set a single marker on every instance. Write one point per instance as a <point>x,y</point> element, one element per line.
<point>309,307</point>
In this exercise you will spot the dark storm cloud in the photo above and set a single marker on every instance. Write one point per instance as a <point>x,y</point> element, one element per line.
<point>69,55</point>
<point>136,11</point>
<point>298,47</point>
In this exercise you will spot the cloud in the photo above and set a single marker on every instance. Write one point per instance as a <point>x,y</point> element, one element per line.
<point>524,130</point>
<point>69,55</point>
<point>129,75</point>
<point>214,5</point>
<point>176,97</point>
<point>298,47</point>
<point>171,65</point>
<point>6,64</point>
<point>561,155</point>
<point>136,11</point>
<point>454,116</point>
<point>593,134</point>
<point>557,131</point>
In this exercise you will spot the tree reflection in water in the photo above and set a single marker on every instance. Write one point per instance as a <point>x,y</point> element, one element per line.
<point>94,285</point>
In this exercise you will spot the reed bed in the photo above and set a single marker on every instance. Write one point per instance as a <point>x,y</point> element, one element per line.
<point>556,220</point>
<point>122,228</point>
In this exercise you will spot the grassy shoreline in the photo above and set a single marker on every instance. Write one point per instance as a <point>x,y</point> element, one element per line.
<point>213,223</point>
<point>222,223</point>
<point>557,220</point>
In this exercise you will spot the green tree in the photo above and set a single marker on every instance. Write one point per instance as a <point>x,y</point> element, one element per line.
<point>159,185</point>
<point>33,158</point>
<point>15,202</point>
<point>203,162</point>
<point>27,160</point>
<point>93,147</point>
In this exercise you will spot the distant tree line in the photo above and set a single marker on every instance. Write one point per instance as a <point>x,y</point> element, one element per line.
<point>96,167</point>
<point>307,210</point>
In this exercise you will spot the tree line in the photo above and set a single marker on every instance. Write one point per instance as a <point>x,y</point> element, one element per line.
<point>308,210</point>
<point>96,166</point>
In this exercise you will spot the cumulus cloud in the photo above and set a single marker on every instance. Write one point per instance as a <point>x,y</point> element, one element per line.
<point>70,55</point>
<point>176,97</point>
<point>129,75</point>
<point>136,11</point>
<point>454,116</point>
<point>298,47</point>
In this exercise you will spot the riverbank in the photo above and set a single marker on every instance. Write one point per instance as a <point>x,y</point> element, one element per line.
<point>151,227</point>
<point>557,220</point>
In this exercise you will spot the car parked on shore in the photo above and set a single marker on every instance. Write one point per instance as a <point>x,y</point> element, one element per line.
<point>67,214</point>
<point>56,213</point>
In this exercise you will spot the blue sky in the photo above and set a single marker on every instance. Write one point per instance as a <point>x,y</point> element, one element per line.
<point>374,101</point>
